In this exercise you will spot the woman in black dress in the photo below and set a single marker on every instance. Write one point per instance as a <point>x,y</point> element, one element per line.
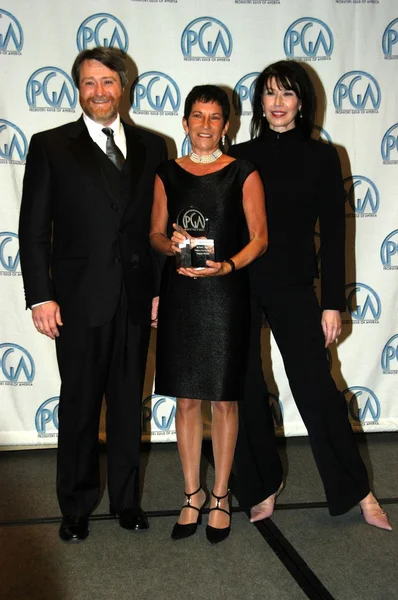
<point>302,181</point>
<point>203,330</point>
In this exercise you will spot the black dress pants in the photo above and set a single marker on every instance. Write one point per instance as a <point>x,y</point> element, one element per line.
<point>108,359</point>
<point>295,320</point>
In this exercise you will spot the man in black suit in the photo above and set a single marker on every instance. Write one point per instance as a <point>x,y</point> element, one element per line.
<point>88,277</point>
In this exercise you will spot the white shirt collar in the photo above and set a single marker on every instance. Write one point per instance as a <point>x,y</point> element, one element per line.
<point>95,129</point>
<point>95,132</point>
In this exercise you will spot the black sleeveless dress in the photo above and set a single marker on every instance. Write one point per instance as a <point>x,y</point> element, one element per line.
<point>203,329</point>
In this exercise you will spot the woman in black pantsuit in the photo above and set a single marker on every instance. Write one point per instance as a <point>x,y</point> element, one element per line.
<point>302,180</point>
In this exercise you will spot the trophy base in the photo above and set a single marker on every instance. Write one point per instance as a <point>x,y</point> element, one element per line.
<point>194,253</point>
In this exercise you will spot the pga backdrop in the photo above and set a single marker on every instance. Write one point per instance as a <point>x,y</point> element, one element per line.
<point>351,47</point>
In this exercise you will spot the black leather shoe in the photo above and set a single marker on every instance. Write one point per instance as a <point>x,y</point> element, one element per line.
<point>131,518</point>
<point>73,529</point>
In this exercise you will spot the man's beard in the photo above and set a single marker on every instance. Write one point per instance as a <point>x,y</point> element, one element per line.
<point>98,112</point>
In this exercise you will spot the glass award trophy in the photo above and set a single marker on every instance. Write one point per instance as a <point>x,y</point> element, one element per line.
<point>195,252</point>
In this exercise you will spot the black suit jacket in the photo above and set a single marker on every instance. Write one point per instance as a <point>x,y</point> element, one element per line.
<point>303,183</point>
<point>77,244</point>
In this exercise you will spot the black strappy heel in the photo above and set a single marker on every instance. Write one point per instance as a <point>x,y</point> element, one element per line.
<point>213,534</point>
<point>183,531</point>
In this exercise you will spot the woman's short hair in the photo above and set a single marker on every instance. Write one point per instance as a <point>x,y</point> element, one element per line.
<point>113,58</point>
<point>207,93</point>
<point>289,75</point>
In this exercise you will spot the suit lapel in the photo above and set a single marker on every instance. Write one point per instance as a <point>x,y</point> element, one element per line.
<point>136,158</point>
<point>136,155</point>
<point>81,147</point>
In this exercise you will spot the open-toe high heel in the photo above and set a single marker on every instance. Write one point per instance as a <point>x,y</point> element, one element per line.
<point>264,509</point>
<point>214,534</point>
<point>375,515</point>
<point>181,531</point>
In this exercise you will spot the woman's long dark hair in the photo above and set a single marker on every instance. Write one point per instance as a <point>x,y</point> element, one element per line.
<point>290,75</point>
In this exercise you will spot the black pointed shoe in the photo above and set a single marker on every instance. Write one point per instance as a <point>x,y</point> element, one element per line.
<point>73,529</point>
<point>131,518</point>
<point>180,531</point>
<point>213,534</point>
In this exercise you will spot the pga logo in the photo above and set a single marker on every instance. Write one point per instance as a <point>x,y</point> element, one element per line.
<point>309,39</point>
<point>155,92</point>
<point>356,91</point>
<point>193,220</point>
<point>158,413</point>
<point>319,133</point>
<point>102,29</point>
<point>16,365</point>
<point>11,34</point>
<point>46,419</point>
<point>389,146</point>
<point>242,96</point>
<point>362,195</point>
<point>363,303</point>
<point>390,40</point>
<point>51,87</point>
<point>389,251</point>
<point>363,405</point>
<point>389,356</point>
<point>13,143</point>
<point>206,37</point>
<point>9,252</point>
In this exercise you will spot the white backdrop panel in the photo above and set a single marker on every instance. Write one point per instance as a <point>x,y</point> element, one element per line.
<point>352,47</point>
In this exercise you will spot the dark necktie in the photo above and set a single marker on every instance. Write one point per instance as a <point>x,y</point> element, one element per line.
<point>112,151</point>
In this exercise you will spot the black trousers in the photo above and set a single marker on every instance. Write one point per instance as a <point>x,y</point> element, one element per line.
<point>92,361</point>
<point>295,319</point>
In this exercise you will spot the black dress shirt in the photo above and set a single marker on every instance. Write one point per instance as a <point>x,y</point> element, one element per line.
<point>302,181</point>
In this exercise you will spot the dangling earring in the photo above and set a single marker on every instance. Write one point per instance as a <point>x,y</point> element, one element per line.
<point>300,114</point>
<point>223,140</point>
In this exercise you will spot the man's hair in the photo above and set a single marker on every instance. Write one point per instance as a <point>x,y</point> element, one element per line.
<point>113,58</point>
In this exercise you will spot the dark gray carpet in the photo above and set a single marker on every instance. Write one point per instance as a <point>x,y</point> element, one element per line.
<point>28,477</point>
<point>352,559</point>
<point>114,564</point>
<point>28,488</point>
<point>379,452</point>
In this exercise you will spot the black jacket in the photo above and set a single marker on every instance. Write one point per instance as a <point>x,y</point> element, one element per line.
<point>302,181</point>
<point>77,243</point>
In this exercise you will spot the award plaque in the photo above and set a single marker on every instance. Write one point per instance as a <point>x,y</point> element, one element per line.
<point>194,252</point>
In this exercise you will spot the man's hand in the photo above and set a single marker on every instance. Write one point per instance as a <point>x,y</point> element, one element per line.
<point>154,312</point>
<point>331,325</point>
<point>46,318</point>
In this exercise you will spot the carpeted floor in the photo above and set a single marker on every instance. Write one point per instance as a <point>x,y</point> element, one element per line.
<point>300,553</point>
